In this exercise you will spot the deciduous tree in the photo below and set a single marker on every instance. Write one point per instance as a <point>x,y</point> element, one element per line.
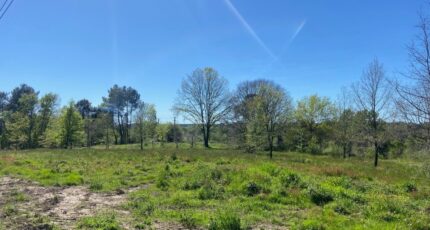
<point>203,99</point>
<point>372,94</point>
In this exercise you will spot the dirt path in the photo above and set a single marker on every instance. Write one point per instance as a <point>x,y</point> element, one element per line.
<point>27,205</point>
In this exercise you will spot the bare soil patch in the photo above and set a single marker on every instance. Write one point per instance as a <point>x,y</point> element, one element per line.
<point>28,205</point>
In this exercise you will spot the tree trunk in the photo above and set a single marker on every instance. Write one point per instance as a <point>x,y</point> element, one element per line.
<point>107,138</point>
<point>376,153</point>
<point>206,141</point>
<point>344,151</point>
<point>271,147</point>
<point>206,135</point>
<point>428,135</point>
<point>141,143</point>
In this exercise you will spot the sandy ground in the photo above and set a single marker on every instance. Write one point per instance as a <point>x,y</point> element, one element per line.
<point>61,205</point>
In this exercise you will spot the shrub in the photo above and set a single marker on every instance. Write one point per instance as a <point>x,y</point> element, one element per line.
<point>271,169</point>
<point>216,174</point>
<point>410,187</point>
<point>252,189</point>
<point>142,204</point>
<point>291,180</point>
<point>320,196</point>
<point>343,208</point>
<point>225,221</point>
<point>191,185</point>
<point>211,191</point>
<point>188,220</point>
<point>173,157</point>
<point>163,180</point>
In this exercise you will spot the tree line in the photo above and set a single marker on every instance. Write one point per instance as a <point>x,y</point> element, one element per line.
<point>376,115</point>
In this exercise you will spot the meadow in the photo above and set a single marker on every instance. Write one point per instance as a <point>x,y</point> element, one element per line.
<point>168,188</point>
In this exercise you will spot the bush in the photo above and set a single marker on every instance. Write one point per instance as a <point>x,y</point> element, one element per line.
<point>252,189</point>
<point>225,221</point>
<point>188,220</point>
<point>216,174</point>
<point>211,191</point>
<point>320,197</point>
<point>410,187</point>
<point>291,180</point>
<point>191,185</point>
<point>142,204</point>
<point>163,179</point>
<point>313,146</point>
<point>173,157</point>
<point>343,208</point>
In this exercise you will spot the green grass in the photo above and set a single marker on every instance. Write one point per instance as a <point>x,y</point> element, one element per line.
<point>228,189</point>
<point>106,221</point>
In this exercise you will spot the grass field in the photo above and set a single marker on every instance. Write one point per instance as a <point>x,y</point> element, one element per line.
<point>209,189</point>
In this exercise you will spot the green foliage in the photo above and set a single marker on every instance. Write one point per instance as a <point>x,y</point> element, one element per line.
<point>67,130</point>
<point>312,225</point>
<point>252,189</point>
<point>99,222</point>
<point>211,191</point>
<point>320,196</point>
<point>225,221</point>
<point>410,187</point>
<point>291,180</point>
<point>313,113</point>
<point>73,179</point>
<point>188,220</point>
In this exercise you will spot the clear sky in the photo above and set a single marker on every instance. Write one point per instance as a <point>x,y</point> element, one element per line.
<point>80,48</point>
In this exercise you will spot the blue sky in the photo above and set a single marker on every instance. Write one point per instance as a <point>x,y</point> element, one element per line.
<point>80,48</point>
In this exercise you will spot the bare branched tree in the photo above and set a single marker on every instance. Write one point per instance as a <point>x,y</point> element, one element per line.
<point>344,130</point>
<point>203,100</point>
<point>372,94</point>
<point>413,101</point>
